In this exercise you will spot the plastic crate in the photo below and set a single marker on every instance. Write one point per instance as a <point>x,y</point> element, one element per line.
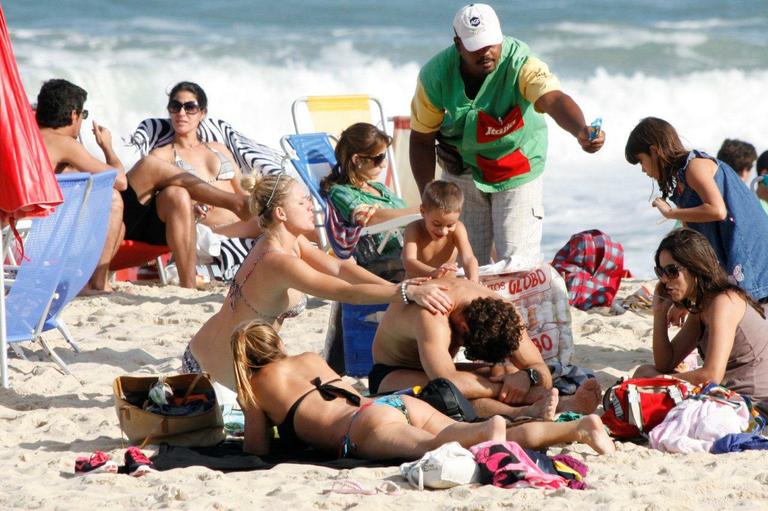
<point>358,337</point>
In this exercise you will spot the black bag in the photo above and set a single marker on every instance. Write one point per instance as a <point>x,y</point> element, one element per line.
<point>450,160</point>
<point>443,395</point>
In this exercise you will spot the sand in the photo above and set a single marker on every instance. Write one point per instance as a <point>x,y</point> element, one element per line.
<point>48,419</point>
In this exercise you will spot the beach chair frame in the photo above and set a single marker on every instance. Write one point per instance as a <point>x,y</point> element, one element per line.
<point>332,114</point>
<point>312,157</point>
<point>45,249</point>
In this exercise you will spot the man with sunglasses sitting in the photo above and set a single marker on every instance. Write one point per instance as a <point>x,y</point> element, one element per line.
<point>60,115</point>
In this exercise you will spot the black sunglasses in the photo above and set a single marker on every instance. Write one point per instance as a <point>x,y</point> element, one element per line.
<point>671,271</point>
<point>191,107</point>
<point>84,113</point>
<point>376,159</point>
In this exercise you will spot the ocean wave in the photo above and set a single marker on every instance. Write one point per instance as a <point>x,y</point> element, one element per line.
<point>575,36</point>
<point>583,191</point>
<point>708,24</point>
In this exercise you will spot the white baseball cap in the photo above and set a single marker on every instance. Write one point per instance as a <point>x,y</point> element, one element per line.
<point>477,26</point>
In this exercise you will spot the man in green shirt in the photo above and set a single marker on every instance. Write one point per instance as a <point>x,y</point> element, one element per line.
<point>481,100</point>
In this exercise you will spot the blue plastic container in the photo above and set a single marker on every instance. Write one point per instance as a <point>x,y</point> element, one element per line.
<point>358,337</point>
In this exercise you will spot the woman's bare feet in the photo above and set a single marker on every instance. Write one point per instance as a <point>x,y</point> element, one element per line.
<point>585,400</point>
<point>545,408</point>
<point>496,429</point>
<point>592,432</point>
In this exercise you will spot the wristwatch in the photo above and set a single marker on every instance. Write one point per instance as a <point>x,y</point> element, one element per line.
<point>533,375</point>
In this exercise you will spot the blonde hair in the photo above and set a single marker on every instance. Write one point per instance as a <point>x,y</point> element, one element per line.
<point>267,192</point>
<point>255,344</point>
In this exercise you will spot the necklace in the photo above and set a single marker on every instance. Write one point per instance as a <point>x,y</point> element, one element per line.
<point>199,143</point>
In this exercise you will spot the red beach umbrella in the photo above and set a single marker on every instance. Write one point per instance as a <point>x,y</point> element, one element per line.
<point>28,186</point>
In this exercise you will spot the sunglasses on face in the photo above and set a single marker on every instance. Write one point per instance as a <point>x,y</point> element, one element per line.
<point>375,159</point>
<point>191,107</point>
<point>671,271</point>
<point>84,114</point>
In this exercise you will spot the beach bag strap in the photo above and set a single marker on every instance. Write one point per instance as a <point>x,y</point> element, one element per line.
<point>635,407</point>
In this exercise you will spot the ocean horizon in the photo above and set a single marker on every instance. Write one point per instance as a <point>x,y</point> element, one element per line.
<point>702,65</point>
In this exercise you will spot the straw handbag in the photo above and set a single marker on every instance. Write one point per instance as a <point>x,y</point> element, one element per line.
<point>143,427</point>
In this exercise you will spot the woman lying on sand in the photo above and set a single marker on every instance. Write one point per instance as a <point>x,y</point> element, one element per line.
<point>311,405</point>
<point>727,326</point>
<point>280,269</point>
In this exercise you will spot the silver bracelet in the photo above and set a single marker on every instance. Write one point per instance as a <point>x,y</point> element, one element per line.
<point>403,285</point>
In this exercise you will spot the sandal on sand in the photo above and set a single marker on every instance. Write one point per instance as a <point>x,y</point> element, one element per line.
<point>96,463</point>
<point>352,487</point>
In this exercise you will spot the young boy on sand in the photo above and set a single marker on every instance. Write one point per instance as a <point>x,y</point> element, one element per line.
<point>433,243</point>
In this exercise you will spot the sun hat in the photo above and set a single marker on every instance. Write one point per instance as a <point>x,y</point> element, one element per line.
<point>477,26</point>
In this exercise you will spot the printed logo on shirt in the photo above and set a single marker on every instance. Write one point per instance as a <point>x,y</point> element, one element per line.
<point>490,129</point>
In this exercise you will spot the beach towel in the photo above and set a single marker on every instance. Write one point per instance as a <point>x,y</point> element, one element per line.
<point>507,465</point>
<point>228,456</point>
<point>249,155</point>
<point>592,265</point>
<point>738,442</point>
<point>567,379</point>
<point>344,236</point>
<point>695,425</point>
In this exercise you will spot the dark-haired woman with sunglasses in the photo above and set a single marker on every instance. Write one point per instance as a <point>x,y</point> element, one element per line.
<point>354,189</point>
<point>184,182</point>
<point>727,326</point>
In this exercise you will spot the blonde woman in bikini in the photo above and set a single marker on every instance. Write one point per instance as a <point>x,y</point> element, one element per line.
<point>310,405</point>
<point>281,269</point>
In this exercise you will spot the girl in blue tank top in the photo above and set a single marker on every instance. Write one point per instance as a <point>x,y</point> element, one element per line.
<point>710,198</point>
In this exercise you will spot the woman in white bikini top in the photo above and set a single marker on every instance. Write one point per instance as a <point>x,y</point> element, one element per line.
<point>210,161</point>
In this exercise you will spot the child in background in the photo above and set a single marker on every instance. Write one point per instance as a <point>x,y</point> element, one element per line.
<point>433,243</point>
<point>762,170</point>
<point>710,198</point>
<point>739,155</point>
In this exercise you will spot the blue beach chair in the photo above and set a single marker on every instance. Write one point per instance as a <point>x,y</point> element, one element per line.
<point>45,249</point>
<point>82,254</point>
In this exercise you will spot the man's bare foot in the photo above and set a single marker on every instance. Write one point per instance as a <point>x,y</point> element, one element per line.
<point>585,400</point>
<point>592,433</point>
<point>544,408</point>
